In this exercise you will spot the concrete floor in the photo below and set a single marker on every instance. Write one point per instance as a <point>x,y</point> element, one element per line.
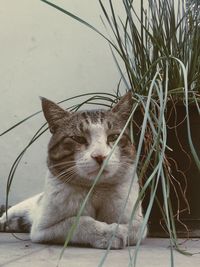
<point>153,252</point>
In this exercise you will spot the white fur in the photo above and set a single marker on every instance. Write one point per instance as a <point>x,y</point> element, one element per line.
<point>98,146</point>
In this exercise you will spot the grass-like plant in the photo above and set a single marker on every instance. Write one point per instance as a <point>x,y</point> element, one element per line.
<point>159,61</point>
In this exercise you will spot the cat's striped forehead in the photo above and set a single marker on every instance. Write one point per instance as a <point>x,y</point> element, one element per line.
<point>86,118</point>
<point>92,116</point>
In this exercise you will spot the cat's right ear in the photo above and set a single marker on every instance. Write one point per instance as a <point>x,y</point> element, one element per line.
<point>53,113</point>
<point>124,107</point>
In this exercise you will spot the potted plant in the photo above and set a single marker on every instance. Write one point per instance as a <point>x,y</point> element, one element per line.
<point>159,61</point>
<point>162,63</point>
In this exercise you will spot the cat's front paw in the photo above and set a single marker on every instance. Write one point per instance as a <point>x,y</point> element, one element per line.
<point>118,241</point>
<point>134,233</point>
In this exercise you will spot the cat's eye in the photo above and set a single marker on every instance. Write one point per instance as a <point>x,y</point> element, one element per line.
<point>79,139</point>
<point>112,138</point>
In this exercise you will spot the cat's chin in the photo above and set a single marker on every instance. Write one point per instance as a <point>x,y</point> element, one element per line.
<point>96,172</point>
<point>90,176</point>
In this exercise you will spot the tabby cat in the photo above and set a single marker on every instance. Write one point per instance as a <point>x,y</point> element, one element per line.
<point>80,143</point>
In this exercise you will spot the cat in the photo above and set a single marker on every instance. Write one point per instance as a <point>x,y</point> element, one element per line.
<point>80,143</point>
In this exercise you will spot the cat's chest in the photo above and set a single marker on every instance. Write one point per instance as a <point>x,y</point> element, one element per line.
<point>67,201</point>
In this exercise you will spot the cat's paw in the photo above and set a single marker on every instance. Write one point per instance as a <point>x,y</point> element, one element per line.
<point>3,224</point>
<point>134,233</point>
<point>14,224</point>
<point>118,241</point>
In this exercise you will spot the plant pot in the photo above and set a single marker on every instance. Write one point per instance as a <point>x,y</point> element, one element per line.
<point>185,174</point>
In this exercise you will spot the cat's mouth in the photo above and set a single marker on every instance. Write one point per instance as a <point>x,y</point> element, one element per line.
<point>96,172</point>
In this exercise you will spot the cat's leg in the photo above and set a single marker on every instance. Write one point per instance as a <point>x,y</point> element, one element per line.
<point>134,227</point>
<point>88,232</point>
<point>135,232</point>
<point>20,216</point>
<point>114,210</point>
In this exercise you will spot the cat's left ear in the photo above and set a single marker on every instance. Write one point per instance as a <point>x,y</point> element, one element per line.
<point>124,106</point>
<point>53,113</point>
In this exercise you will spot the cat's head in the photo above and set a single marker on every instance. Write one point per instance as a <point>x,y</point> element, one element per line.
<point>82,140</point>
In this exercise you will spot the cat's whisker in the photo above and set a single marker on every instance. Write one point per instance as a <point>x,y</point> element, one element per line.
<point>62,163</point>
<point>64,174</point>
<point>67,178</point>
<point>70,163</point>
<point>68,172</point>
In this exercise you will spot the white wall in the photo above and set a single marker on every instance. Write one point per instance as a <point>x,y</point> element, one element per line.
<point>44,52</point>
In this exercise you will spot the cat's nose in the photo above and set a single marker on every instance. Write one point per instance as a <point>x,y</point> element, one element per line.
<point>98,158</point>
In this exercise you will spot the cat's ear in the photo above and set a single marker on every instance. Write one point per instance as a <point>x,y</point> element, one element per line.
<point>53,113</point>
<point>124,106</point>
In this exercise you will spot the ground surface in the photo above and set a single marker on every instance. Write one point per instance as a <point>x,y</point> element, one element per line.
<point>153,252</point>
